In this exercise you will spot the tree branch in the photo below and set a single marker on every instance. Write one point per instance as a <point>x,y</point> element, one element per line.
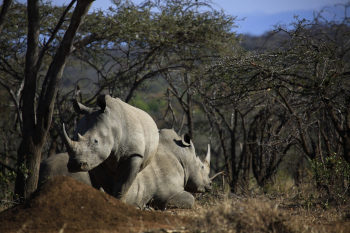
<point>4,12</point>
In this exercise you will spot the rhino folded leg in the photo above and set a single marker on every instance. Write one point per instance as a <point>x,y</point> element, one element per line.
<point>127,172</point>
<point>183,200</point>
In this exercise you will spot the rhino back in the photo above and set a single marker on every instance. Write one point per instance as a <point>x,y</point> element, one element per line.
<point>172,143</point>
<point>139,131</point>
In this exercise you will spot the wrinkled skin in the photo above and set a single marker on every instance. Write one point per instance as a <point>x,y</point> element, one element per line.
<point>166,181</point>
<point>175,171</point>
<point>115,136</point>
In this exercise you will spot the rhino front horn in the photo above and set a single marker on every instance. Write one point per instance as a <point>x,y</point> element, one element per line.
<point>69,143</point>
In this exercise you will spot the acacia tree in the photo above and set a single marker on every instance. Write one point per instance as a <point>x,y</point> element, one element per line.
<point>312,80</point>
<point>251,127</point>
<point>291,93</point>
<point>135,44</point>
<point>35,107</point>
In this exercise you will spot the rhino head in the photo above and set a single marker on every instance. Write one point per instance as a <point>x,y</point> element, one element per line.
<point>93,140</point>
<point>198,179</point>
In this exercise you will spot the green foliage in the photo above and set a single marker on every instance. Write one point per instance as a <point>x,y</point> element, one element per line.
<point>46,178</point>
<point>6,179</point>
<point>151,106</point>
<point>333,178</point>
<point>7,196</point>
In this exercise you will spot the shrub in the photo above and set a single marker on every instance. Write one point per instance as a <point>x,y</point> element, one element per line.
<point>332,177</point>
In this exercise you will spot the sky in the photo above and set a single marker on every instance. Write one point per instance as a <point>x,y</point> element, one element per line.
<point>259,15</point>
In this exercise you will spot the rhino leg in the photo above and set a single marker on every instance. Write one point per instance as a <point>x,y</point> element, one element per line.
<point>183,200</point>
<point>126,175</point>
<point>100,179</point>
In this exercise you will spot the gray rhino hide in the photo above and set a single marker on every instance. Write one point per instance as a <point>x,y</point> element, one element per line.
<point>117,137</point>
<point>175,171</point>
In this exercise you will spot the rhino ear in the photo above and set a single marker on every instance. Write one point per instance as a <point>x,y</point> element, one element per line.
<point>186,139</point>
<point>101,102</point>
<point>80,108</point>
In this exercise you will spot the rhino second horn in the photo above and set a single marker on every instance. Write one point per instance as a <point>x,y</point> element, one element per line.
<point>207,157</point>
<point>80,138</point>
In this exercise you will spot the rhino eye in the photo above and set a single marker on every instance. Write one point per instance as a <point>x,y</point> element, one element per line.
<point>95,141</point>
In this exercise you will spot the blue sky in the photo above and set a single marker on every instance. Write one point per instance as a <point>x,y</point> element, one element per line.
<point>259,15</point>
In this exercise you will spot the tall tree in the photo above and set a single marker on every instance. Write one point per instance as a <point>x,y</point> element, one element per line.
<point>37,117</point>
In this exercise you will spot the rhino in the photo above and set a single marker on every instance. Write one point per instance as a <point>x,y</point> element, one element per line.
<point>117,137</point>
<point>57,165</point>
<point>165,182</point>
<point>176,171</point>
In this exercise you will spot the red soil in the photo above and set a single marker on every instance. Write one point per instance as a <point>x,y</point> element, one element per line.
<point>69,205</point>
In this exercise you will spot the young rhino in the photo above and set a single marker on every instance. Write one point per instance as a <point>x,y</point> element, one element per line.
<point>57,165</point>
<point>175,171</point>
<point>115,136</point>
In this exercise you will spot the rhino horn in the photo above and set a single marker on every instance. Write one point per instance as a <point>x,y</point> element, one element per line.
<point>219,173</point>
<point>207,157</point>
<point>69,143</point>
<point>80,138</point>
<point>80,108</point>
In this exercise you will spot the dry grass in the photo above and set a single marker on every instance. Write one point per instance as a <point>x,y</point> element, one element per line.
<point>240,214</point>
<point>285,210</point>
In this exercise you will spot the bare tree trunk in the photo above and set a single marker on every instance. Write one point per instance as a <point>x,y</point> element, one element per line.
<point>342,129</point>
<point>225,152</point>
<point>28,152</point>
<point>298,175</point>
<point>235,168</point>
<point>247,160</point>
<point>36,127</point>
<point>189,110</point>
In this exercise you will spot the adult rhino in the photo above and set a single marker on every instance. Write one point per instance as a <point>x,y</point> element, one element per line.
<point>115,136</point>
<point>165,182</point>
<point>169,178</point>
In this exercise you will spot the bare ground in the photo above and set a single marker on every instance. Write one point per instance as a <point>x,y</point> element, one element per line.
<point>66,205</point>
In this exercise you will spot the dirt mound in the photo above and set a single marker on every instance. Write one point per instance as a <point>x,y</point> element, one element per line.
<point>72,206</point>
